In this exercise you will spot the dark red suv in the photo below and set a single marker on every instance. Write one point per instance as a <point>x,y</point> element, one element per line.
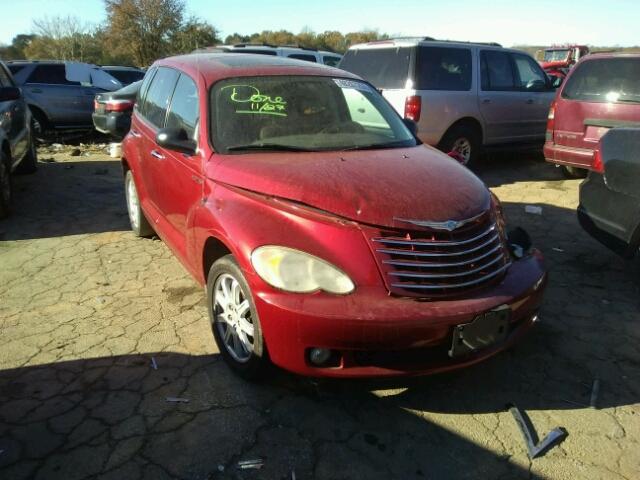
<point>601,92</point>
<point>329,240</point>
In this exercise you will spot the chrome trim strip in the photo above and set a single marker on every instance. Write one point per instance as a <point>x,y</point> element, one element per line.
<point>417,264</point>
<point>427,254</point>
<point>449,225</point>
<point>442,243</point>
<point>408,286</point>
<point>447,275</point>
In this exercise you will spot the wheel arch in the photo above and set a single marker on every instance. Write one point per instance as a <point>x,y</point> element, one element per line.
<point>212,250</point>
<point>464,121</point>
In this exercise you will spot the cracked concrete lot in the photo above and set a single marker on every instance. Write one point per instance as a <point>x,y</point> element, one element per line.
<point>86,308</point>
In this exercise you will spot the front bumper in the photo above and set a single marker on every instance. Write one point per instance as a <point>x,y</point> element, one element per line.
<point>375,334</point>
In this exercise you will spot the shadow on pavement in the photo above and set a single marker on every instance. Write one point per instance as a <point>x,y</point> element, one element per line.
<point>500,168</point>
<point>110,418</point>
<point>67,198</point>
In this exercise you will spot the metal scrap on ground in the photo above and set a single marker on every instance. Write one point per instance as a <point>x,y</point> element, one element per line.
<point>177,400</point>
<point>535,448</point>
<point>255,464</point>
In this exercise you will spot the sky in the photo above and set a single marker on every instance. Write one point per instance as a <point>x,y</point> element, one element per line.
<point>509,22</point>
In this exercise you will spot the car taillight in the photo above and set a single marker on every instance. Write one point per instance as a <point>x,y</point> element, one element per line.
<point>596,162</point>
<point>551,122</point>
<point>118,105</point>
<point>96,105</point>
<point>413,107</point>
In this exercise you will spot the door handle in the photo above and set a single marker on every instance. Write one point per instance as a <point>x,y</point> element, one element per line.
<point>157,154</point>
<point>486,100</point>
<point>134,133</point>
<point>196,179</point>
<point>529,101</point>
<point>35,90</point>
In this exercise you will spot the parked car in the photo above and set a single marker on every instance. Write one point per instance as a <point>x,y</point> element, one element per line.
<point>601,92</point>
<point>328,246</point>
<point>112,110</point>
<point>125,75</point>
<point>17,145</point>
<point>610,196</point>
<point>464,96</point>
<point>322,57</point>
<point>60,94</point>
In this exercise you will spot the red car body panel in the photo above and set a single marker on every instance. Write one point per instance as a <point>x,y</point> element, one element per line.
<point>579,125</point>
<point>317,202</point>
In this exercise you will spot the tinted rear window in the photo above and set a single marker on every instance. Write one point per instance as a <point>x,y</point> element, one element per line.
<point>605,80</point>
<point>15,68</point>
<point>302,56</point>
<point>50,74</point>
<point>126,76</point>
<point>440,68</point>
<point>383,67</point>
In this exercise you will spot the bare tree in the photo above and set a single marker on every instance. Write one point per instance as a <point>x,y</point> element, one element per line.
<point>62,38</point>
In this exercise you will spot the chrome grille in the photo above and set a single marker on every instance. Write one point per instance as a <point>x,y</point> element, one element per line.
<point>432,263</point>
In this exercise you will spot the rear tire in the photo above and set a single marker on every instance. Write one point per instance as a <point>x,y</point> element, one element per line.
<point>573,172</point>
<point>40,124</point>
<point>29,163</point>
<point>464,139</point>
<point>234,320</point>
<point>139,223</point>
<point>5,185</point>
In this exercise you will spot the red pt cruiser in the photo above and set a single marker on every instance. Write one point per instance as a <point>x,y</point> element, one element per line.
<point>330,242</point>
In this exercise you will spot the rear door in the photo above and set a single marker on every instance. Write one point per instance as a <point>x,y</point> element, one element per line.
<point>499,97</point>
<point>536,95</point>
<point>599,94</point>
<point>61,99</point>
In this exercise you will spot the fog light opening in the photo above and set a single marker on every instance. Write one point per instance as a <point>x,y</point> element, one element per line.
<point>319,356</point>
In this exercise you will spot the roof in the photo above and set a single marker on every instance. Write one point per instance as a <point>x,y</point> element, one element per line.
<point>415,41</point>
<point>595,56</point>
<point>216,66</point>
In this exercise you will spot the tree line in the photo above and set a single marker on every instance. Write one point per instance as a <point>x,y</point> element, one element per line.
<point>138,32</point>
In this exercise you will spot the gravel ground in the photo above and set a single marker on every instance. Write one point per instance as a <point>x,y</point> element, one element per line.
<point>87,310</point>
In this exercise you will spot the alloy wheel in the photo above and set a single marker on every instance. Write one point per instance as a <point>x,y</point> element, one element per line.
<point>463,146</point>
<point>232,314</point>
<point>133,204</point>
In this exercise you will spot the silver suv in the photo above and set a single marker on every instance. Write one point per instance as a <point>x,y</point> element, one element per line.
<point>60,94</point>
<point>463,96</point>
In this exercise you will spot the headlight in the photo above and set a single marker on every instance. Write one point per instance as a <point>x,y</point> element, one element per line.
<point>296,271</point>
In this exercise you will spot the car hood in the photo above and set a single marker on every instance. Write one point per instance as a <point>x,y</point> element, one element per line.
<point>376,187</point>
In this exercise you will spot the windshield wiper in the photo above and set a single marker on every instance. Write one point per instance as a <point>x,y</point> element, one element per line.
<point>376,146</point>
<point>269,146</point>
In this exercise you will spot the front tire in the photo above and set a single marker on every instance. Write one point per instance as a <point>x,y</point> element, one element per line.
<point>139,223</point>
<point>29,163</point>
<point>5,185</point>
<point>234,319</point>
<point>465,140</point>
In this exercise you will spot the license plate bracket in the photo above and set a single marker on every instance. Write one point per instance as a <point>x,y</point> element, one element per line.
<point>485,330</point>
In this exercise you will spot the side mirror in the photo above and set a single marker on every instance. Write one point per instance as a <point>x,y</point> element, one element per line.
<point>620,153</point>
<point>411,125</point>
<point>555,81</point>
<point>176,139</point>
<point>536,85</point>
<point>10,93</point>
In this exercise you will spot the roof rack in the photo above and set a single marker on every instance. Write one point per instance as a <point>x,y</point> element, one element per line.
<point>297,45</point>
<point>431,39</point>
<point>242,45</point>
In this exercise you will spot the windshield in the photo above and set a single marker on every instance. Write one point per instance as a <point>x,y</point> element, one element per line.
<point>556,55</point>
<point>615,80</point>
<point>297,113</point>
